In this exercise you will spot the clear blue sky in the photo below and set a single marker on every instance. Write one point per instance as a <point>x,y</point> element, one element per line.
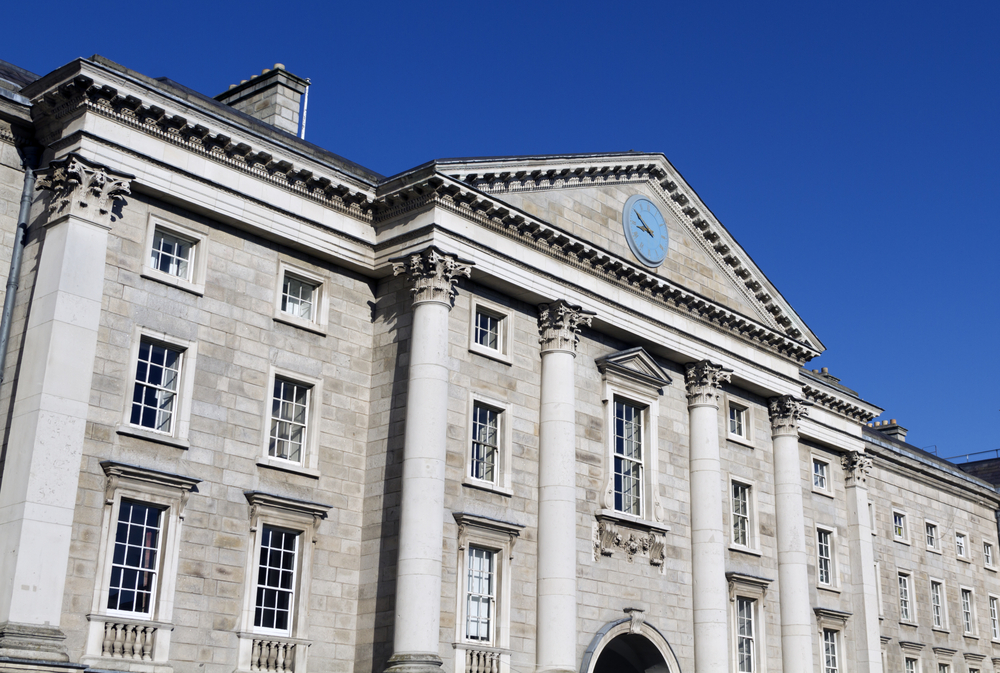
<point>851,148</point>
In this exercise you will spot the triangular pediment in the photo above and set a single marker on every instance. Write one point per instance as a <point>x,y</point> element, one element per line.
<point>634,365</point>
<point>585,196</point>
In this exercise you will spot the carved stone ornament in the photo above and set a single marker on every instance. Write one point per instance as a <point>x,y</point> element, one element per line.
<point>785,412</point>
<point>857,467</point>
<point>637,617</point>
<point>703,380</point>
<point>433,274</point>
<point>84,188</point>
<point>608,537</point>
<point>559,325</point>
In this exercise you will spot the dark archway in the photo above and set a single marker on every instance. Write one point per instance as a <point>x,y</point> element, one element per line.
<point>630,653</point>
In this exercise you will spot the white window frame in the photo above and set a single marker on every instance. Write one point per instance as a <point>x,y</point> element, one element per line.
<point>303,518</point>
<point>831,621</point>
<point>837,653</point>
<point>753,530</point>
<point>989,555</point>
<point>754,630</point>
<point>834,582</point>
<point>183,397</point>
<point>993,602</point>
<point>910,607</point>
<point>936,546</point>
<point>319,323</point>
<point>309,465</point>
<point>502,482</point>
<point>499,537</point>
<point>748,587</point>
<point>905,537</point>
<point>871,517</point>
<point>943,597</point>
<point>748,435</point>
<point>944,667</point>
<point>878,588</point>
<point>911,669</point>
<point>826,489</point>
<point>962,592</point>
<point>195,282</point>
<point>505,318</point>
<point>963,552</point>
<point>163,490</point>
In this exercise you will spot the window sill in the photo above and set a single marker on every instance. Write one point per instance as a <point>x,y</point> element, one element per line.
<point>932,550</point>
<point>742,441</point>
<point>745,550</point>
<point>301,323</point>
<point>940,629</point>
<point>488,487</point>
<point>823,492</point>
<point>150,436</point>
<point>490,353</point>
<point>633,521</point>
<point>829,589</point>
<point>992,569</point>
<point>963,559</point>
<point>910,624</point>
<point>174,281</point>
<point>901,541</point>
<point>286,466</point>
<point>970,636</point>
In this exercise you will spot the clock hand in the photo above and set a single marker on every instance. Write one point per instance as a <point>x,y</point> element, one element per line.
<point>644,227</point>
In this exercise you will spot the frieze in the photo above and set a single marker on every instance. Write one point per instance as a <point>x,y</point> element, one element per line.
<point>613,536</point>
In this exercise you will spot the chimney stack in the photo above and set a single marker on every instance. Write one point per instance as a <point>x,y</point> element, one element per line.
<point>890,428</point>
<point>273,97</point>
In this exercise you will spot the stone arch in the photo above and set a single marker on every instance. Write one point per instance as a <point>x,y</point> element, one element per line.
<point>634,640</point>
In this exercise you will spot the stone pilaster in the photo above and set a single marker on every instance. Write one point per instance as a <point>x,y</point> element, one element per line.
<point>416,637</point>
<point>793,574</point>
<point>559,324</point>
<point>710,589</point>
<point>49,414</point>
<point>864,593</point>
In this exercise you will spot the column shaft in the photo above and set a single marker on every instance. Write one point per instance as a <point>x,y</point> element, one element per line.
<point>708,540</point>
<point>793,572</point>
<point>864,590</point>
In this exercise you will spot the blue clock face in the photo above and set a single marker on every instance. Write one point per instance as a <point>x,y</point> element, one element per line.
<point>645,230</point>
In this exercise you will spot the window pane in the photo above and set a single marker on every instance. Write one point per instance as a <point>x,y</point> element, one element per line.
<point>628,458</point>
<point>485,442</point>
<point>480,594</point>
<point>487,330</point>
<point>289,407</point>
<point>157,375</point>
<point>825,560</point>
<point>170,254</point>
<point>297,297</point>
<point>830,651</point>
<point>741,514</point>
<point>276,579</point>
<point>135,558</point>
<point>745,636</point>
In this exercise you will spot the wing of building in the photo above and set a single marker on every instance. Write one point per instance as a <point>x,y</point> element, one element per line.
<point>269,411</point>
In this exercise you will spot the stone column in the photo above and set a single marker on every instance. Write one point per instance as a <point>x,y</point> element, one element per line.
<point>49,412</point>
<point>555,642</point>
<point>864,590</point>
<point>416,636</point>
<point>793,572</point>
<point>708,538</point>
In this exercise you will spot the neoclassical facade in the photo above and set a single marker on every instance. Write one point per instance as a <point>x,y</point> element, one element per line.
<point>267,410</point>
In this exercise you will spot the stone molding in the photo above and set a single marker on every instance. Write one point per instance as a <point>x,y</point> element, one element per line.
<point>437,190</point>
<point>433,274</point>
<point>559,325</point>
<point>857,466</point>
<point>838,405</point>
<point>612,534</point>
<point>703,380</point>
<point>33,642</point>
<point>84,188</point>
<point>82,92</point>
<point>785,412</point>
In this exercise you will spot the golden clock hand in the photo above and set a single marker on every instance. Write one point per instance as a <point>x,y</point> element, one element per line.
<point>644,227</point>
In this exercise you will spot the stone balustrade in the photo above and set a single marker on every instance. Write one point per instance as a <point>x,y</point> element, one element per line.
<point>272,655</point>
<point>482,661</point>
<point>123,640</point>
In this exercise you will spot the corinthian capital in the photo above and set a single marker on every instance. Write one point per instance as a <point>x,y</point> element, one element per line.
<point>857,466</point>
<point>84,188</point>
<point>433,274</point>
<point>785,413</point>
<point>559,325</point>
<point>703,380</point>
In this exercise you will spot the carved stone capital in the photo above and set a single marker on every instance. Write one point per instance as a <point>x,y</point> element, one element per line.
<point>785,412</point>
<point>857,466</point>
<point>433,274</point>
<point>703,380</point>
<point>84,188</point>
<point>559,325</point>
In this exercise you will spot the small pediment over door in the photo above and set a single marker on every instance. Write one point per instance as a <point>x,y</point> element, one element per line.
<point>634,367</point>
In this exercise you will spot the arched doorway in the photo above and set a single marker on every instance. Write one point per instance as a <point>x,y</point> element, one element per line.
<point>630,653</point>
<point>629,645</point>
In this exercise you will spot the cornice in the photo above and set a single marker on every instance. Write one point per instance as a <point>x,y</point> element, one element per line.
<point>918,468</point>
<point>82,94</point>
<point>508,176</point>
<point>438,190</point>
<point>855,410</point>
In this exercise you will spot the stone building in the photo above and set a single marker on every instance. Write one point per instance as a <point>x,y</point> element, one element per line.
<point>268,410</point>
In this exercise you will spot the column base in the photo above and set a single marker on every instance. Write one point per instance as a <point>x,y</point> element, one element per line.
<point>32,642</point>
<point>418,662</point>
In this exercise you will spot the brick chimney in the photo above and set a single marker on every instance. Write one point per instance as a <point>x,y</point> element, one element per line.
<point>890,428</point>
<point>273,97</point>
